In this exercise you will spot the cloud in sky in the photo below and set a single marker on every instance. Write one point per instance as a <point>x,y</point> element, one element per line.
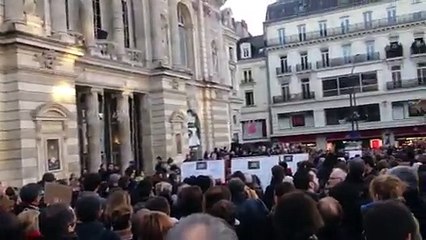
<point>252,11</point>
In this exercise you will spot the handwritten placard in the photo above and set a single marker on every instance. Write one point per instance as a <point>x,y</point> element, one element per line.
<point>57,193</point>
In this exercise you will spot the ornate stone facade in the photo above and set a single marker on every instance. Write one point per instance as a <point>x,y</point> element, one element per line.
<point>86,82</point>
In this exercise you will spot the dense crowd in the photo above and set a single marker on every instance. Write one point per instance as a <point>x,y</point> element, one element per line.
<point>328,198</point>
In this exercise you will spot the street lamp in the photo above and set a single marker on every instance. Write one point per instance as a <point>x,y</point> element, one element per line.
<point>353,105</point>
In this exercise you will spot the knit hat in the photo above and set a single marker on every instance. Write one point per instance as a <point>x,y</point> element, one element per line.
<point>407,175</point>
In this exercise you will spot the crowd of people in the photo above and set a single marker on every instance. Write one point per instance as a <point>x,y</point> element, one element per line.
<point>365,198</point>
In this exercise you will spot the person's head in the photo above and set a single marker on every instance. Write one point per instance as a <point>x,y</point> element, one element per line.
<point>190,200</point>
<point>113,180</point>
<point>281,189</point>
<point>118,205</point>
<point>306,179</point>
<point>331,211</point>
<point>214,195</point>
<point>389,220</point>
<point>296,216</point>
<point>110,167</point>
<point>57,221</point>
<point>31,194</point>
<point>225,210</point>
<point>370,165</point>
<point>48,178</point>
<point>278,174</point>
<point>356,170</point>
<point>237,189</point>
<point>337,176</point>
<point>284,165</point>
<point>88,209</point>
<point>29,220</point>
<point>124,182</point>
<point>384,187</point>
<point>153,226</point>
<point>163,188</point>
<point>91,182</point>
<point>382,164</point>
<point>240,175</point>
<point>160,204</point>
<point>407,175</point>
<point>10,227</point>
<point>201,226</point>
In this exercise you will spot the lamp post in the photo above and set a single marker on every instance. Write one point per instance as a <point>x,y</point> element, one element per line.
<point>353,105</point>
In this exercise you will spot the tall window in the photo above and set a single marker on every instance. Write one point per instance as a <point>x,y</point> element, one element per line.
<point>247,76</point>
<point>97,20</point>
<point>347,53</point>
<point>178,143</point>
<point>306,90</point>
<point>249,98</point>
<point>392,15</point>
<point>246,53</point>
<point>231,53</point>
<point>285,91</point>
<point>281,35</point>
<point>421,73</point>
<point>283,64</point>
<point>323,28</point>
<point>370,50</point>
<point>304,60</point>
<point>67,14</point>
<point>344,24</point>
<point>368,19</point>
<point>325,58</point>
<point>302,32</point>
<point>125,12</point>
<point>396,76</point>
<point>184,23</point>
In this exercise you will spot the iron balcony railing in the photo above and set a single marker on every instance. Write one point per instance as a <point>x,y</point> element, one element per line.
<point>293,97</point>
<point>360,58</point>
<point>394,51</point>
<point>284,70</point>
<point>415,50</point>
<point>303,67</point>
<point>411,83</point>
<point>247,81</point>
<point>351,28</point>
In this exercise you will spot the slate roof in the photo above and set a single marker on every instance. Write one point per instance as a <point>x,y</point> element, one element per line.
<point>257,46</point>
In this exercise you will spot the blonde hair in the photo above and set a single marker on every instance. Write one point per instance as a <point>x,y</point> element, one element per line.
<point>154,226</point>
<point>385,187</point>
<point>118,203</point>
<point>29,220</point>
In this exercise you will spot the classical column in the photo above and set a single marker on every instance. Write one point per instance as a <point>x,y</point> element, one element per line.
<point>94,130</point>
<point>174,30</point>
<point>124,130</point>
<point>74,15</point>
<point>58,17</point>
<point>14,10</point>
<point>118,26</point>
<point>88,25</point>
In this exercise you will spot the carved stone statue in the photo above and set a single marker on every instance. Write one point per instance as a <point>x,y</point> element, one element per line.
<point>165,39</point>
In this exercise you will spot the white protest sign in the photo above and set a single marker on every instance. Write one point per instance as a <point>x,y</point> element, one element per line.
<point>260,166</point>
<point>214,169</point>
<point>354,153</point>
<point>293,159</point>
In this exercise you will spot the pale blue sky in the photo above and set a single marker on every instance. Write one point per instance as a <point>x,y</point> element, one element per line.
<point>253,11</point>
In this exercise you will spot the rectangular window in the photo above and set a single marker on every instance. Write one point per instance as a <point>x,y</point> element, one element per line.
<point>325,59</point>
<point>349,84</point>
<point>298,120</point>
<point>344,24</point>
<point>247,76</point>
<point>421,73</point>
<point>370,50</point>
<point>178,143</point>
<point>246,53</point>
<point>368,19</point>
<point>347,53</point>
<point>396,76</point>
<point>323,28</point>
<point>249,98</point>
<point>369,82</point>
<point>284,64</point>
<point>285,91</point>
<point>304,61</point>
<point>391,15</point>
<point>125,16</point>
<point>302,32</point>
<point>67,14</point>
<point>97,21</point>
<point>330,87</point>
<point>281,35</point>
<point>231,53</point>
<point>306,89</point>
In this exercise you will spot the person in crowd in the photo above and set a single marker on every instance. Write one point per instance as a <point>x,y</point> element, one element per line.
<point>278,175</point>
<point>369,170</point>
<point>160,204</point>
<point>89,210</point>
<point>153,226</point>
<point>57,222</point>
<point>47,178</point>
<point>412,194</point>
<point>141,194</point>
<point>389,220</point>
<point>118,214</point>
<point>29,221</point>
<point>225,210</point>
<point>214,195</point>
<point>113,182</point>
<point>30,195</point>
<point>190,201</point>
<point>297,217</point>
<point>326,167</point>
<point>382,166</point>
<point>251,212</point>
<point>201,226</point>
<point>337,176</point>
<point>282,189</point>
<point>91,184</point>
<point>305,179</point>
<point>351,195</point>
<point>332,215</point>
<point>10,227</point>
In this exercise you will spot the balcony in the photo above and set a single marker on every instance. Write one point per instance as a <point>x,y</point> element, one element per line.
<point>105,49</point>
<point>247,81</point>
<point>359,58</point>
<point>134,56</point>
<point>303,67</point>
<point>394,50</point>
<point>418,47</point>
<point>404,84</point>
<point>352,28</point>
<point>293,97</point>
<point>284,70</point>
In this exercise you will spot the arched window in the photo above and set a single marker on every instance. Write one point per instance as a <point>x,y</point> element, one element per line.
<point>185,35</point>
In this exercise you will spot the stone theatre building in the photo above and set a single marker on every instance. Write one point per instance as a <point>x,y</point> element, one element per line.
<point>85,82</point>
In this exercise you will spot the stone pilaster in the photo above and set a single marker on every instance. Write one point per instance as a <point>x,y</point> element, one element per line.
<point>74,15</point>
<point>124,130</point>
<point>88,26</point>
<point>14,11</point>
<point>58,17</point>
<point>94,130</point>
<point>118,27</point>
<point>202,29</point>
<point>159,34</point>
<point>174,29</point>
